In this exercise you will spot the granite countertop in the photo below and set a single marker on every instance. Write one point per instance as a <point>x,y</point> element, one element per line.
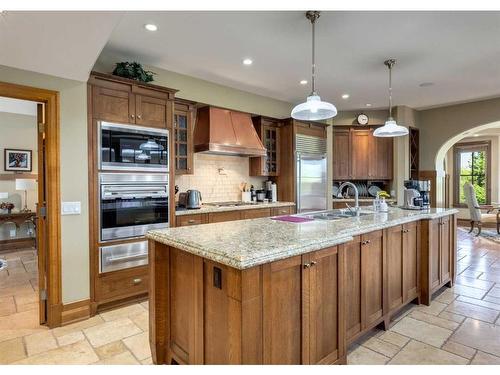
<point>209,208</point>
<point>248,243</point>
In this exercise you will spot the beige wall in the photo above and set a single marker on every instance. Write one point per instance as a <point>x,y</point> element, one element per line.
<point>209,93</point>
<point>18,132</point>
<point>215,185</point>
<point>73,140</point>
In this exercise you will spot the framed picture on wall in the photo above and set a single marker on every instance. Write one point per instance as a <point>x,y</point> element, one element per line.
<point>17,160</point>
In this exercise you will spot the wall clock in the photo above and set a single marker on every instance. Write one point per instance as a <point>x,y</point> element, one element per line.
<point>362,119</point>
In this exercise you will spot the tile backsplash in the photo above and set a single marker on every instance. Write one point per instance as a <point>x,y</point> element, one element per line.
<point>218,177</point>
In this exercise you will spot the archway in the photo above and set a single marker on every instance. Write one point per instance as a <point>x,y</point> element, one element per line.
<point>441,156</point>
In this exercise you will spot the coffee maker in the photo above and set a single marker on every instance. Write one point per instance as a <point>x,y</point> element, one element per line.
<point>423,187</point>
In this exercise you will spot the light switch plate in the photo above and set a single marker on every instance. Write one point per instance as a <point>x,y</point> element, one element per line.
<point>71,208</point>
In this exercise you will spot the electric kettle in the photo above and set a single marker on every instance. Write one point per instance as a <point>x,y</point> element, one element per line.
<point>193,199</point>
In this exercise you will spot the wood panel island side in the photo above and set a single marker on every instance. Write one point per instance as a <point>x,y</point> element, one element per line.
<point>264,291</point>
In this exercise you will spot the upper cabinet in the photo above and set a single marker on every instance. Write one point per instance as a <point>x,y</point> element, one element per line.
<point>184,116</point>
<point>122,100</point>
<point>268,130</point>
<point>358,155</point>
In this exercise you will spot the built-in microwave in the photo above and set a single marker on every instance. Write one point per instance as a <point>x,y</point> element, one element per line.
<point>132,148</point>
<point>131,204</point>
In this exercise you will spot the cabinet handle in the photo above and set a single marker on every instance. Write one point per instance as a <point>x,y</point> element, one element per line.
<point>138,116</point>
<point>133,116</point>
<point>191,221</point>
<point>137,281</point>
<point>313,263</point>
<point>307,265</point>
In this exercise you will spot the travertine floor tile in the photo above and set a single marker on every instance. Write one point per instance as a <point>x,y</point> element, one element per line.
<point>437,321</point>
<point>446,297</point>
<point>147,361</point>
<point>111,349</point>
<point>142,321</point>
<point>381,346</point>
<point>139,345</point>
<point>485,359</point>
<point>394,338</point>
<point>25,298</point>
<point>11,351</point>
<point>7,306</point>
<point>468,291</point>
<point>123,312</point>
<point>417,353</point>
<point>459,349</point>
<point>365,356</point>
<point>422,331</point>
<point>451,316</point>
<point>79,353</point>
<point>434,309</point>
<point>479,302</point>
<point>75,327</point>
<point>40,342</point>
<point>70,338</point>
<point>125,358</point>
<point>479,335</point>
<point>111,331</point>
<point>473,311</point>
<point>474,283</point>
<point>494,292</point>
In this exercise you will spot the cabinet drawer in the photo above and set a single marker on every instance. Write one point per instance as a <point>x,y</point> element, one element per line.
<point>185,220</point>
<point>122,283</point>
<point>218,217</point>
<point>255,214</point>
<point>278,211</point>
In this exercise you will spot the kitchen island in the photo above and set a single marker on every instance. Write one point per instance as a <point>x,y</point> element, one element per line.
<point>264,291</point>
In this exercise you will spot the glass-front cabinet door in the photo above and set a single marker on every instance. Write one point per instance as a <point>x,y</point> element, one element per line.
<point>271,139</point>
<point>183,140</point>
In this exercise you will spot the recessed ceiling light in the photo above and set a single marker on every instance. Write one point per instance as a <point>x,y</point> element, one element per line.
<point>426,84</point>
<point>303,82</point>
<point>150,27</point>
<point>345,96</point>
<point>247,62</point>
<point>368,104</point>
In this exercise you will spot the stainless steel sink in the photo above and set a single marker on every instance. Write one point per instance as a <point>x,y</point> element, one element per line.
<point>333,214</point>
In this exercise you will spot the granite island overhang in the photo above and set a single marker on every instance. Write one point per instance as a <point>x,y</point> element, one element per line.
<point>267,291</point>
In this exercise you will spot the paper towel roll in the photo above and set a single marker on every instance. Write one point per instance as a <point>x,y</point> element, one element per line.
<point>274,192</point>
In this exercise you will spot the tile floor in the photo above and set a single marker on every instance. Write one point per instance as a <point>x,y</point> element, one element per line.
<point>462,325</point>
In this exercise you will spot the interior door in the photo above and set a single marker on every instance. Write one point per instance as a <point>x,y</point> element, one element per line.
<point>41,225</point>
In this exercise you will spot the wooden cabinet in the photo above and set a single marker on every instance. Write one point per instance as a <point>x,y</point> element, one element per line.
<point>255,214</point>
<point>301,309</point>
<point>438,255</point>
<point>150,111</point>
<point>269,133</point>
<point>121,284</point>
<point>358,155</point>
<point>195,219</point>
<point>217,217</point>
<point>184,113</point>
<point>278,211</point>
<point>403,257</point>
<point>364,270</point>
<point>113,103</point>
<point>341,144</point>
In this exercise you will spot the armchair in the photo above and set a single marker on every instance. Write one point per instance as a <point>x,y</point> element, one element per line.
<point>476,216</point>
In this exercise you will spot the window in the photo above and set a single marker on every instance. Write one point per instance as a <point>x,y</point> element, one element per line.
<point>472,162</point>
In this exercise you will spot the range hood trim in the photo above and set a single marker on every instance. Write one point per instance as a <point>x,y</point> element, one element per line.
<point>239,124</point>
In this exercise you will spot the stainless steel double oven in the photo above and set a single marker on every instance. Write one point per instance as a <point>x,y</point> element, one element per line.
<point>133,191</point>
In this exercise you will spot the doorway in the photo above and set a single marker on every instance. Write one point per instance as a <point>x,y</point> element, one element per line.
<point>29,175</point>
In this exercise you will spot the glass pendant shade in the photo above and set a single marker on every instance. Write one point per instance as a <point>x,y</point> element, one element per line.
<point>314,110</point>
<point>150,145</point>
<point>390,129</point>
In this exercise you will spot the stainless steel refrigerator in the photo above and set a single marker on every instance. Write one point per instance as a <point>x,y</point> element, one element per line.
<point>311,182</point>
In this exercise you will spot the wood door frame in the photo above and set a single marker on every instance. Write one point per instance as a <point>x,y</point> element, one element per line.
<point>52,175</point>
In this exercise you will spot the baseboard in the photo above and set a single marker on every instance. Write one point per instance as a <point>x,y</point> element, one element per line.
<point>75,312</point>
<point>466,223</point>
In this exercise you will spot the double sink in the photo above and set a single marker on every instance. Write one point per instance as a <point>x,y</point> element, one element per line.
<point>333,214</point>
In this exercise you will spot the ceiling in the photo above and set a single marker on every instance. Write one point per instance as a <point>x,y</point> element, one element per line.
<point>457,51</point>
<point>18,106</point>
<point>63,44</point>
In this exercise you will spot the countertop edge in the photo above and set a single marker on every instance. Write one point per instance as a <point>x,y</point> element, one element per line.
<point>212,209</point>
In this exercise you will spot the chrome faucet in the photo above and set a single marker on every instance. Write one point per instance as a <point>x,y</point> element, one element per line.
<point>356,196</point>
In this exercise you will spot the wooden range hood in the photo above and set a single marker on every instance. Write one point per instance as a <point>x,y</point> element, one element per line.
<point>225,132</point>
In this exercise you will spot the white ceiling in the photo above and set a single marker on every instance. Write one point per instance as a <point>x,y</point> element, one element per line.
<point>18,106</point>
<point>64,44</point>
<point>457,51</point>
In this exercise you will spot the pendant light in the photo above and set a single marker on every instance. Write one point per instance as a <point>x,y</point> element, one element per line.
<point>314,109</point>
<point>390,128</point>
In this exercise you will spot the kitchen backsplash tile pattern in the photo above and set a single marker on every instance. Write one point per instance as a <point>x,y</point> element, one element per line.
<point>218,177</point>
